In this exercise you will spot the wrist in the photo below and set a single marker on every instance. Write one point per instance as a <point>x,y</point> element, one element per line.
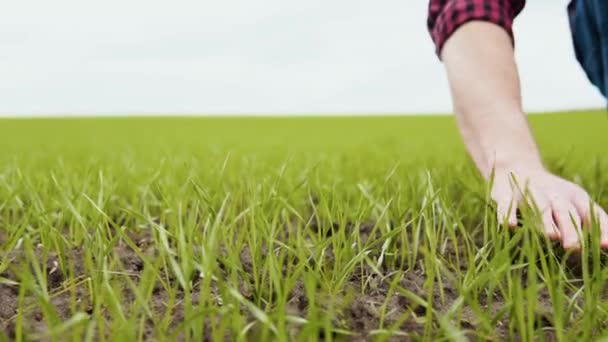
<point>521,165</point>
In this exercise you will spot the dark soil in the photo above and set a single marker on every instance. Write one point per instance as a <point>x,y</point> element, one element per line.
<point>359,308</point>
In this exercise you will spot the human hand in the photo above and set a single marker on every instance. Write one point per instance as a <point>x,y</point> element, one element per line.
<point>564,206</point>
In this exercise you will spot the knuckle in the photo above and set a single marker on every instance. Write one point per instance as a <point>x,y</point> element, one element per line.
<point>560,209</point>
<point>563,208</point>
<point>600,211</point>
<point>583,199</point>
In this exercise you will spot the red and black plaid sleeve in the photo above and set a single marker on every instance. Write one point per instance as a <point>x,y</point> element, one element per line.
<point>446,16</point>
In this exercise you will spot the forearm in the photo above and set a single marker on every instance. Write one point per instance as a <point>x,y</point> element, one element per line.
<point>486,95</point>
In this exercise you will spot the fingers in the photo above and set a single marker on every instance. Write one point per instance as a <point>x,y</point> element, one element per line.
<point>568,220</point>
<point>544,207</point>
<point>564,207</point>
<point>506,211</point>
<point>551,230</point>
<point>602,219</point>
<point>583,204</point>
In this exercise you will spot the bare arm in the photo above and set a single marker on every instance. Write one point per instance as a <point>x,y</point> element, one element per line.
<point>486,94</point>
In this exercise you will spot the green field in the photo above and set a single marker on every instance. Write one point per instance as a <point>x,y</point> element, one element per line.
<point>261,229</point>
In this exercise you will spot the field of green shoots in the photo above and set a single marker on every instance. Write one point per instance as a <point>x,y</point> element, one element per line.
<point>286,229</point>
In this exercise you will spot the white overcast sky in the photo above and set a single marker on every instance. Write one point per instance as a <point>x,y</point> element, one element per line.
<point>74,57</point>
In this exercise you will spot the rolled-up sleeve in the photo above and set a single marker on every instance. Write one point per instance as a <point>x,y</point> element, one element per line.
<point>446,16</point>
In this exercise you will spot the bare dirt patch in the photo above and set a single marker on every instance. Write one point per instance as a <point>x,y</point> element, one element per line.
<point>366,307</point>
